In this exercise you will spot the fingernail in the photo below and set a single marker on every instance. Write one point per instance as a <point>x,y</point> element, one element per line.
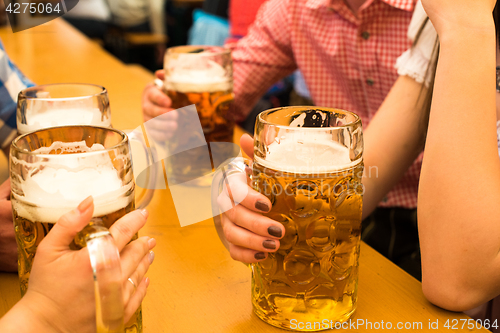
<point>151,257</point>
<point>85,204</point>
<point>262,206</point>
<point>145,213</point>
<point>151,243</point>
<point>269,244</point>
<point>147,282</point>
<point>274,231</point>
<point>260,255</point>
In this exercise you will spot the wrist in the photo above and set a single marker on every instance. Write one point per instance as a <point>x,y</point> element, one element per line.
<point>460,29</point>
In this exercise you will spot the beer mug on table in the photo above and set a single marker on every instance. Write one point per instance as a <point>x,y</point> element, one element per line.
<point>52,171</point>
<point>308,162</point>
<point>203,76</point>
<point>62,104</point>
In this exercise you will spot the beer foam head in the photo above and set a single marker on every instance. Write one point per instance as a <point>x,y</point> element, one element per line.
<point>192,74</point>
<point>60,186</point>
<point>311,153</point>
<point>63,117</point>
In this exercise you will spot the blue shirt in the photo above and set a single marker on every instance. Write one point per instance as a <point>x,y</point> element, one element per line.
<point>12,81</point>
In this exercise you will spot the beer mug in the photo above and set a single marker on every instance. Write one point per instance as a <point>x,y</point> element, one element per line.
<point>203,76</point>
<point>52,171</point>
<point>308,163</point>
<point>63,104</point>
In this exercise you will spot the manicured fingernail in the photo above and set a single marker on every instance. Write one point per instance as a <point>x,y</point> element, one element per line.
<point>259,255</point>
<point>145,213</point>
<point>151,243</point>
<point>151,257</point>
<point>147,281</point>
<point>269,244</point>
<point>85,204</point>
<point>274,231</point>
<point>262,206</point>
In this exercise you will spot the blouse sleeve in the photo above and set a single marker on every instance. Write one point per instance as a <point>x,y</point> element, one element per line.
<point>415,61</point>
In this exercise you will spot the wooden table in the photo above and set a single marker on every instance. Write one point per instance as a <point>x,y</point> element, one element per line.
<point>195,285</point>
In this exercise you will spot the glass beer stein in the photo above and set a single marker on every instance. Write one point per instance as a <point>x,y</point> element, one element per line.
<point>62,104</point>
<point>52,171</point>
<point>203,76</point>
<point>308,162</point>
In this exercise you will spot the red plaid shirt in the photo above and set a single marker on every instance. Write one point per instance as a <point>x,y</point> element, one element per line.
<point>347,61</point>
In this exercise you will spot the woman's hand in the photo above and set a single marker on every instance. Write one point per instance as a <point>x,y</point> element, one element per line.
<point>61,289</point>
<point>249,234</point>
<point>455,15</point>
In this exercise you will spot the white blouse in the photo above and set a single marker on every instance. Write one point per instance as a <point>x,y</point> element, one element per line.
<point>414,61</point>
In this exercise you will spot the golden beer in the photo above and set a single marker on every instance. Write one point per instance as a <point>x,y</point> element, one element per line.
<point>309,164</point>
<point>52,171</point>
<point>201,76</point>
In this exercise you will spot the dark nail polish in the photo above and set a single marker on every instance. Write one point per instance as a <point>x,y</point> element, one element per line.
<point>260,255</point>
<point>274,231</point>
<point>262,206</point>
<point>269,244</point>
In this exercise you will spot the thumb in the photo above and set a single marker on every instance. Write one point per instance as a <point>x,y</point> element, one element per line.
<point>5,190</point>
<point>68,225</point>
<point>160,74</point>
<point>246,143</point>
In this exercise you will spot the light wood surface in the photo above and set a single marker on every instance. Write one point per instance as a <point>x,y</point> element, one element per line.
<point>195,285</point>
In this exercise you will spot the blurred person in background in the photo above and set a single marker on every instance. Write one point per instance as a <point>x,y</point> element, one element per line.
<point>92,17</point>
<point>12,81</point>
<point>346,51</point>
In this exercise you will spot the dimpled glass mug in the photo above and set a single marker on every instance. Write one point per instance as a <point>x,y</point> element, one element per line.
<point>309,164</point>
<point>52,171</point>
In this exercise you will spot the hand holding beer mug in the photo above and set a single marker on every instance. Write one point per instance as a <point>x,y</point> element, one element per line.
<point>52,171</point>
<point>308,163</point>
<point>61,279</point>
<point>199,75</point>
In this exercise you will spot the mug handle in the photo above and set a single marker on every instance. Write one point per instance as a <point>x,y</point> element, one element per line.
<point>106,268</point>
<point>239,165</point>
<point>152,168</point>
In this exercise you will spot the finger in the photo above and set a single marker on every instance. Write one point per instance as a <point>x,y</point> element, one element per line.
<point>237,189</point>
<point>151,110</point>
<point>68,225</point>
<point>125,228</point>
<point>254,222</point>
<point>136,299</point>
<point>134,252</point>
<point>160,74</point>
<point>5,190</point>
<point>246,239</point>
<point>6,212</point>
<point>158,97</point>
<point>137,275</point>
<point>246,255</point>
<point>246,142</point>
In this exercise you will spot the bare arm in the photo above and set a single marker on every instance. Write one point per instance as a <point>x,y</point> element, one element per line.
<point>459,194</point>
<point>393,140</point>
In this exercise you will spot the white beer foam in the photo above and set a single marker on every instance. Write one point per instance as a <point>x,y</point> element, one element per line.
<point>309,153</point>
<point>186,74</point>
<point>63,117</point>
<point>57,188</point>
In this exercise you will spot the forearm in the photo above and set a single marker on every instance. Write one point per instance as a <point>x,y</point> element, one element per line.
<point>393,140</point>
<point>460,181</point>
